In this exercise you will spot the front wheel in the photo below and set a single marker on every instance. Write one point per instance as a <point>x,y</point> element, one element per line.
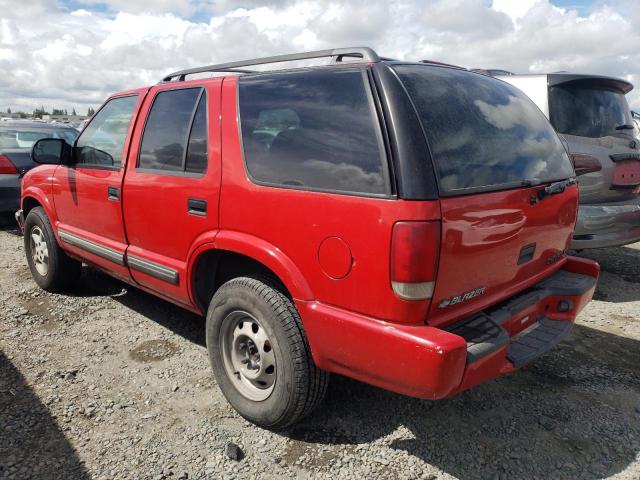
<point>50,267</point>
<point>260,355</point>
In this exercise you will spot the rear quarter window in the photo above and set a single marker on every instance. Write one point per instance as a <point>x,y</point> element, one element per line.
<point>484,134</point>
<point>313,130</point>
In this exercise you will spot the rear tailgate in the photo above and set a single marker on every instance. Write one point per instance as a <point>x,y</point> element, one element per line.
<point>493,152</point>
<point>497,244</point>
<point>618,176</point>
<point>593,114</point>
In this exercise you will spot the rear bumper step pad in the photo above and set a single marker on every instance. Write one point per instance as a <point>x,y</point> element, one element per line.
<point>485,335</point>
<point>536,340</point>
<point>482,334</point>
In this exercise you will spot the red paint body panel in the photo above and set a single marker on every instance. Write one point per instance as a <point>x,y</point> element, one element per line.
<point>80,197</point>
<point>270,256</point>
<point>335,258</point>
<point>159,227</point>
<point>298,221</point>
<point>418,360</point>
<point>36,184</point>
<point>482,237</point>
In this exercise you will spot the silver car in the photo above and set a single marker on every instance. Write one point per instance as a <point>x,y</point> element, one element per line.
<point>591,113</point>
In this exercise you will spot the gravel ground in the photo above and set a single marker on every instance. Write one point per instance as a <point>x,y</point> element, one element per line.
<point>110,382</point>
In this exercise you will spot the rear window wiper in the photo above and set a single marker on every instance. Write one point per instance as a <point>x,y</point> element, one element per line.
<point>625,126</point>
<point>530,182</point>
<point>555,188</point>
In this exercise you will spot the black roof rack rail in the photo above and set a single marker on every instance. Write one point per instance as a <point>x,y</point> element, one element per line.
<point>337,54</point>
<point>435,62</point>
<point>492,72</point>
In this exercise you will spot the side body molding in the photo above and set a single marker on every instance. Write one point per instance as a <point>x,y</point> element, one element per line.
<point>91,247</point>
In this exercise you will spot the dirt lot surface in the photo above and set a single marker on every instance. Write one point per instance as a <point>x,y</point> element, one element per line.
<point>110,382</point>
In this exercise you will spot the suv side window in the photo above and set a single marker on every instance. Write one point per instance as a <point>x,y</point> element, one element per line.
<point>175,135</point>
<point>102,141</point>
<point>313,130</point>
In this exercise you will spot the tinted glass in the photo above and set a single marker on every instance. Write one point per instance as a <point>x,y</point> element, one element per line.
<point>588,112</point>
<point>24,137</point>
<point>312,129</point>
<point>197,148</point>
<point>165,134</point>
<point>102,141</point>
<point>484,134</point>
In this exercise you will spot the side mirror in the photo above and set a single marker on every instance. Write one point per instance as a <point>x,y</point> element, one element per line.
<point>51,151</point>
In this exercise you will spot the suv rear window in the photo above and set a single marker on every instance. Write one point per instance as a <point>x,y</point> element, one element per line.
<point>175,134</point>
<point>588,112</point>
<point>484,134</point>
<point>312,130</point>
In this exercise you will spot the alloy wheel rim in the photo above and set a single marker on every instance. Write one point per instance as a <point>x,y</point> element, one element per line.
<point>39,251</point>
<point>248,355</point>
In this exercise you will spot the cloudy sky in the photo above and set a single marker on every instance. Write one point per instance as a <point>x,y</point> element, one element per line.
<point>74,53</point>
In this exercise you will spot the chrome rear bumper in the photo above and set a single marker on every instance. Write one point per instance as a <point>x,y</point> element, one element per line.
<point>20,220</point>
<point>607,225</point>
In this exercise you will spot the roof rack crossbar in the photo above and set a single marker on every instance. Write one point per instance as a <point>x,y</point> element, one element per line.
<point>364,53</point>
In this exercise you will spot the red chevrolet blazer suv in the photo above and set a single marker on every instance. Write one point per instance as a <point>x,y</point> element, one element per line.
<point>404,224</point>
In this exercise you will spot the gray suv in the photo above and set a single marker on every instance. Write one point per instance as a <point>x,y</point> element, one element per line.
<point>591,113</point>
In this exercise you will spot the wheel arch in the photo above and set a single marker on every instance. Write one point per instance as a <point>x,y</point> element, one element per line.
<point>34,197</point>
<point>233,254</point>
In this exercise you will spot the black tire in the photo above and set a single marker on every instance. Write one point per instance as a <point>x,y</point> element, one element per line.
<point>62,271</point>
<point>299,385</point>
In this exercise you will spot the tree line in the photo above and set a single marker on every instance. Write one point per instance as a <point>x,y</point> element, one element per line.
<point>39,112</point>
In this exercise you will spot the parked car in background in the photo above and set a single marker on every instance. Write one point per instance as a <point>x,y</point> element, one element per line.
<point>592,115</point>
<point>404,224</point>
<point>16,139</point>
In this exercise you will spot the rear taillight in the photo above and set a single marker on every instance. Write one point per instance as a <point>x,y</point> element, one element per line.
<point>583,164</point>
<point>6,166</point>
<point>626,171</point>
<point>415,248</point>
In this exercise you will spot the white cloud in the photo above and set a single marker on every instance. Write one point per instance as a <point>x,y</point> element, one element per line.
<point>25,10</point>
<point>56,57</point>
<point>515,10</point>
<point>180,7</point>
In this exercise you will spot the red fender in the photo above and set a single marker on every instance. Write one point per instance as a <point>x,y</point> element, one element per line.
<point>43,199</point>
<point>261,251</point>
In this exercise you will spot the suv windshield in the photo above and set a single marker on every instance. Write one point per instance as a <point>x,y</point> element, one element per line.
<point>484,134</point>
<point>588,112</point>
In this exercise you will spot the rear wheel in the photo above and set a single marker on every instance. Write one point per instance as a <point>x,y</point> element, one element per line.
<point>260,355</point>
<point>50,267</point>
